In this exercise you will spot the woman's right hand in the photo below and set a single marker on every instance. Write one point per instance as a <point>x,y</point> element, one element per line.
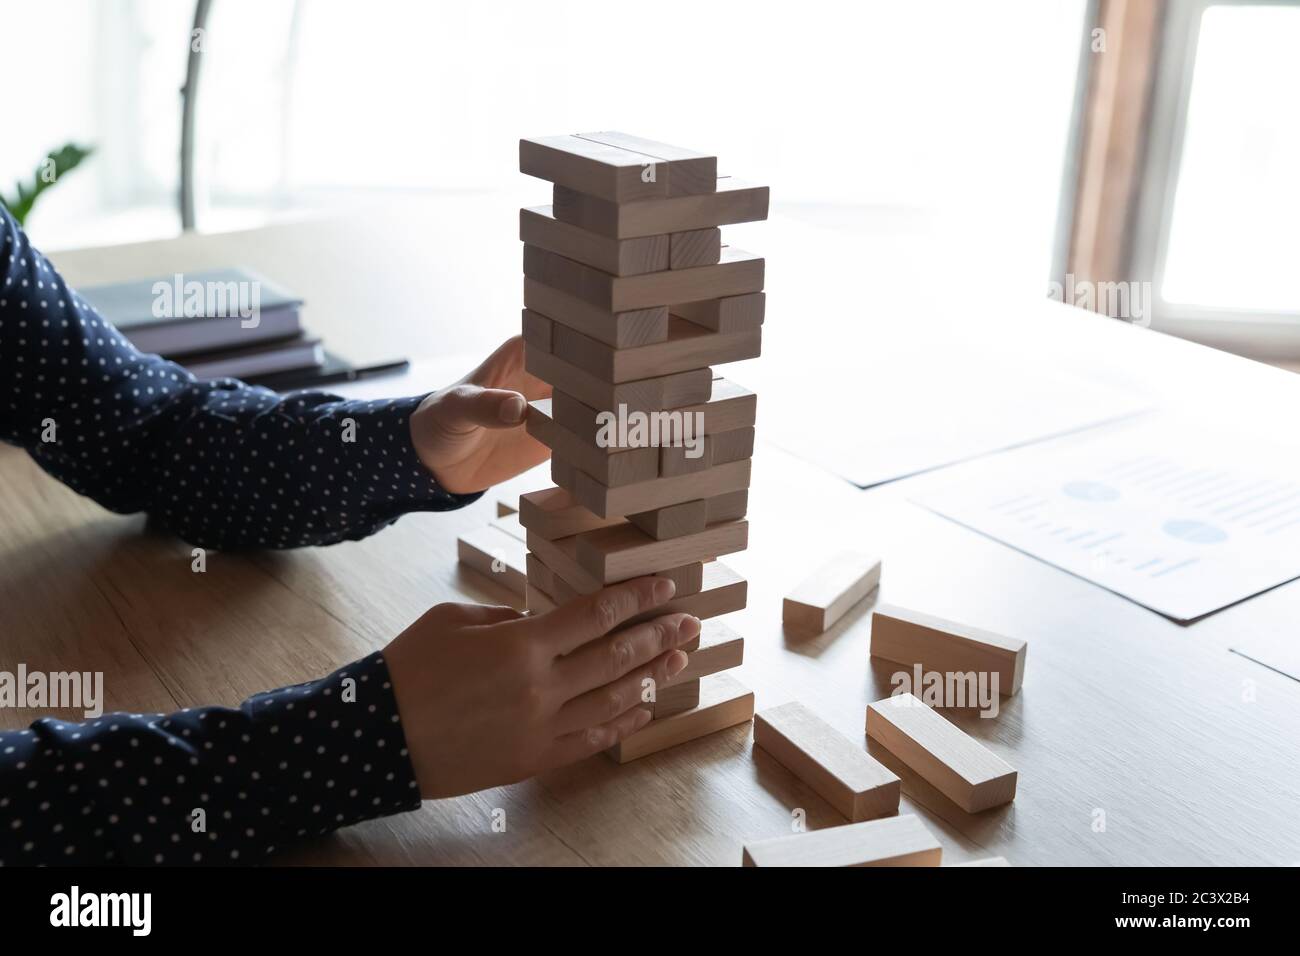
<point>490,696</point>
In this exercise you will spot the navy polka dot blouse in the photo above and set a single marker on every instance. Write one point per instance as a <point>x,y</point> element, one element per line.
<point>224,465</point>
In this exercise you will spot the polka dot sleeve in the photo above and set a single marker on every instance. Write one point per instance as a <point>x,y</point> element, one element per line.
<point>207,785</point>
<point>223,464</point>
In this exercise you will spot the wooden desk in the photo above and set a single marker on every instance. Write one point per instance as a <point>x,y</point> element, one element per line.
<point>1122,711</point>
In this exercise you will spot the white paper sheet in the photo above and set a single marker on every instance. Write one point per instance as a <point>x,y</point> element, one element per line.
<point>1178,517</point>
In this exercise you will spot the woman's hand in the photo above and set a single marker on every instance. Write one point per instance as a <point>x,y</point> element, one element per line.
<point>489,696</point>
<point>470,435</point>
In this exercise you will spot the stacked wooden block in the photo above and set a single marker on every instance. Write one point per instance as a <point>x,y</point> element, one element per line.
<point>630,299</point>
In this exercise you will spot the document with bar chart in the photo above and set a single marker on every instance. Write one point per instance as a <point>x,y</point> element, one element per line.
<point>1144,509</point>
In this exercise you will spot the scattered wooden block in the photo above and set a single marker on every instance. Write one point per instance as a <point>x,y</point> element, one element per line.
<point>689,517</point>
<point>826,595</point>
<point>695,247</point>
<point>956,764</point>
<point>844,774</point>
<point>649,495</point>
<point>552,513</point>
<point>910,637</point>
<point>610,466</point>
<point>617,329</point>
<point>737,313</point>
<point>593,168</point>
<point>537,330</point>
<point>990,861</point>
<point>892,841</point>
<point>625,551</point>
<point>734,201</point>
<point>724,702</point>
<point>646,394</point>
<point>729,407</point>
<point>689,173</point>
<point>735,273</point>
<point>687,347</point>
<point>620,257</point>
<point>510,525</point>
<point>506,507</point>
<point>492,552</point>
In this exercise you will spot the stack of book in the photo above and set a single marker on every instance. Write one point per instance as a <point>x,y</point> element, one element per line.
<point>226,323</point>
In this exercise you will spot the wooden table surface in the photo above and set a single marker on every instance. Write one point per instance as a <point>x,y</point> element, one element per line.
<point>1123,713</point>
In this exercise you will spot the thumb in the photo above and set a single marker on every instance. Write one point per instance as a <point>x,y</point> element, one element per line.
<point>471,405</point>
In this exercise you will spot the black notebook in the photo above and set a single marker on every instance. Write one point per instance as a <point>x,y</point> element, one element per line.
<point>191,312</point>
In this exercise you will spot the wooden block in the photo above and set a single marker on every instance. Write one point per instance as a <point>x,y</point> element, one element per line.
<point>510,525</point>
<point>990,861</point>
<point>689,173</point>
<point>644,394</point>
<point>729,407</point>
<point>892,841</point>
<point>625,551</point>
<point>689,517</point>
<point>649,495</point>
<point>826,596</point>
<point>680,460</point>
<point>695,247</point>
<point>537,330</point>
<point>956,764</point>
<point>561,556</point>
<point>724,702</point>
<point>731,446</point>
<point>736,313</point>
<point>674,698</point>
<point>538,601</point>
<point>734,201</point>
<point>735,273</point>
<point>728,507</point>
<point>721,592</point>
<point>610,466</point>
<point>552,513</point>
<point>718,648</point>
<point>617,329</point>
<point>492,552</point>
<point>687,347</point>
<point>539,575</point>
<point>506,507</point>
<point>910,637</point>
<point>620,257</point>
<point>593,168</point>
<point>838,769</point>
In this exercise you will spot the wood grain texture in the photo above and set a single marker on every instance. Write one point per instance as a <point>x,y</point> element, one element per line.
<point>552,513</point>
<point>492,552</point>
<point>960,767</point>
<point>724,702</point>
<point>616,329</point>
<point>893,841</point>
<point>649,495</point>
<point>594,168</point>
<point>689,517</point>
<point>838,769</point>
<point>688,172</point>
<point>537,330</point>
<point>620,257</point>
<point>610,465</point>
<point>644,394</point>
<point>736,272</point>
<point>625,551</point>
<point>735,201</point>
<point>695,247</point>
<point>687,347</point>
<point>911,637</point>
<point>730,406</point>
<point>828,593</point>
<point>674,698</point>
<point>737,313</point>
<point>562,557</point>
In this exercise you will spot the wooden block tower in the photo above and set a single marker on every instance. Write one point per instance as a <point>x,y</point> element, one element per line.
<point>630,299</point>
